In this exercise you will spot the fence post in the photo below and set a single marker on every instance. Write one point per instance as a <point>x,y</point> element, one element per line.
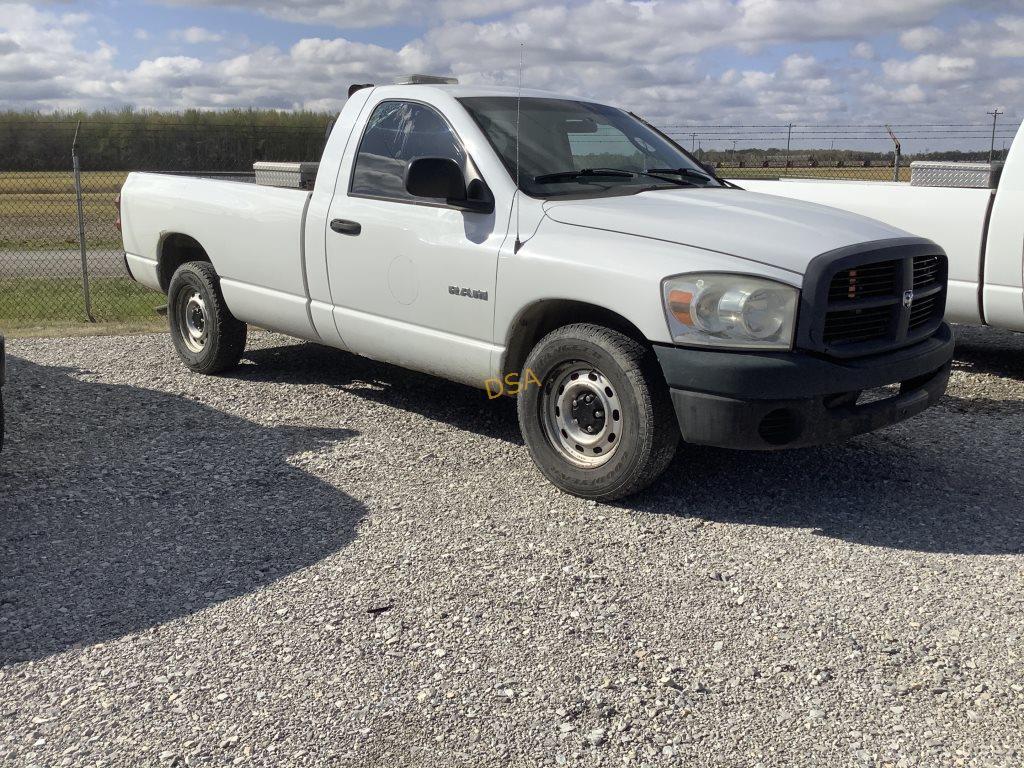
<point>896,152</point>
<point>81,226</point>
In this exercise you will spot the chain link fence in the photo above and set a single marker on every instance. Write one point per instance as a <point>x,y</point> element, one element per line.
<point>810,168</point>
<point>765,151</point>
<point>45,274</point>
<point>60,253</point>
<point>61,258</point>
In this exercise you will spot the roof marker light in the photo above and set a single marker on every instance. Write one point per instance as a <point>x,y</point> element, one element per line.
<point>425,80</point>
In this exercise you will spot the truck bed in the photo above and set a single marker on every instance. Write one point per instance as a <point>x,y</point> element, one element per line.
<point>255,234</point>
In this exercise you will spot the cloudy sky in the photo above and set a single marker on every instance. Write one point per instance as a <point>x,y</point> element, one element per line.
<point>676,61</point>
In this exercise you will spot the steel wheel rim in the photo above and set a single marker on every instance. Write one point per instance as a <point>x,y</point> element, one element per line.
<point>193,320</point>
<point>581,414</point>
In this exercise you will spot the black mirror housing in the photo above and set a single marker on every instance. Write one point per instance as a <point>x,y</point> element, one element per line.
<point>442,178</point>
<point>437,177</point>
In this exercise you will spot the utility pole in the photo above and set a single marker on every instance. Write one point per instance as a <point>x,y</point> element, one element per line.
<point>789,141</point>
<point>992,149</point>
<point>693,143</point>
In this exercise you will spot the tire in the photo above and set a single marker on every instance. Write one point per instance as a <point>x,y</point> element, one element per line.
<point>207,337</point>
<point>633,428</point>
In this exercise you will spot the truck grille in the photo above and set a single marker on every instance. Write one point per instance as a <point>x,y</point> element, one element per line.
<point>870,302</point>
<point>863,282</point>
<point>926,271</point>
<point>855,325</point>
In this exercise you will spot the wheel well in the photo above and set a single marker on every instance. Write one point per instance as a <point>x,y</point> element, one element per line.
<point>177,249</point>
<point>539,319</point>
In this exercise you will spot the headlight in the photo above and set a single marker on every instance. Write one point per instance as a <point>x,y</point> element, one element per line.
<point>733,311</point>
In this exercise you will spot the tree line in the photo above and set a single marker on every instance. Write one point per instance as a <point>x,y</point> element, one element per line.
<point>194,140</point>
<point>159,141</point>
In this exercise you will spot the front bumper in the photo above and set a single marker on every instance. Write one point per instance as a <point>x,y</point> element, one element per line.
<point>768,401</point>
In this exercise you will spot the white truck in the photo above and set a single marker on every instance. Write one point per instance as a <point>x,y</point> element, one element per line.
<point>479,234</point>
<point>981,230</point>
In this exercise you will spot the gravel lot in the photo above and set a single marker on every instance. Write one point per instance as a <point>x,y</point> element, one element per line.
<point>322,560</point>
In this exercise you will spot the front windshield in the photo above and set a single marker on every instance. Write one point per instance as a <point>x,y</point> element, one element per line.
<point>573,147</point>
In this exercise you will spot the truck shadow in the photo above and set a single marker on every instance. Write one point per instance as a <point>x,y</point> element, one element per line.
<point>988,350</point>
<point>930,487</point>
<point>925,486</point>
<point>166,507</point>
<point>466,408</point>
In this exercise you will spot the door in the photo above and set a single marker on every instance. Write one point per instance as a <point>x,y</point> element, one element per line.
<point>412,279</point>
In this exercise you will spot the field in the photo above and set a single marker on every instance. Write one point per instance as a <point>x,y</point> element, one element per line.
<point>40,262</point>
<point>38,210</point>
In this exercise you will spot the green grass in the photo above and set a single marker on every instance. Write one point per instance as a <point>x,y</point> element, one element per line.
<point>58,182</point>
<point>50,302</point>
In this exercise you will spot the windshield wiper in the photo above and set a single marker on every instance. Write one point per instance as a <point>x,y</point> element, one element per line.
<point>551,178</point>
<point>686,172</point>
<point>686,175</point>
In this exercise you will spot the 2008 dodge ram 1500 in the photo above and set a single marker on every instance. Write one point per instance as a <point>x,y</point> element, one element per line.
<point>471,232</point>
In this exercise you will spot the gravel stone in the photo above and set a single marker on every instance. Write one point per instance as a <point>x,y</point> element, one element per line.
<point>319,560</point>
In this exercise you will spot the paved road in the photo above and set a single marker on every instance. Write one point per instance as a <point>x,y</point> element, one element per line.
<point>102,263</point>
<point>320,560</point>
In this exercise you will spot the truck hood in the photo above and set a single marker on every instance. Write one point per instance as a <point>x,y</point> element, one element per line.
<point>762,228</point>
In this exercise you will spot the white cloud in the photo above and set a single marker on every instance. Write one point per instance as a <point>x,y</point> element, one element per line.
<point>863,50</point>
<point>891,97</point>
<point>931,68</point>
<point>366,13</point>
<point>797,67</point>
<point>1002,39</point>
<point>196,36</point>
<point>921,38</point>
<point>648,55</point>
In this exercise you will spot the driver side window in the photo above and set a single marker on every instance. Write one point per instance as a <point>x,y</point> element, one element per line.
<point>397,133</point>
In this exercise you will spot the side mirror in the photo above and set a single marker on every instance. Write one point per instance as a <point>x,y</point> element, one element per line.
<point>441,177</point>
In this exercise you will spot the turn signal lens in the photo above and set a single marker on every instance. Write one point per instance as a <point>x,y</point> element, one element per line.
<point>679,303</point>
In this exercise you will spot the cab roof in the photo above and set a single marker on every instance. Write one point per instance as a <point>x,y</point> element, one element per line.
<point>466,91</point>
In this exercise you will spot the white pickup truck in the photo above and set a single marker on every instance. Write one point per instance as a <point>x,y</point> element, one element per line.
<point>480,234</point>
<point>981,230</point>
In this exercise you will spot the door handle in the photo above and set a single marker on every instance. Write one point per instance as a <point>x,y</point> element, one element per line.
<point>346,227</point>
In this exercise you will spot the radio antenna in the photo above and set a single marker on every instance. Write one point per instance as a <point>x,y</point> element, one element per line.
<point>519,99</point>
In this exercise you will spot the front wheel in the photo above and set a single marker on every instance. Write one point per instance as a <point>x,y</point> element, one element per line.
<point>208,338</point>
<point>601,423</point>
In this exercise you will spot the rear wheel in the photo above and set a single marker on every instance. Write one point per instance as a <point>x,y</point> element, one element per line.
<point>601,424</point>
<point>206,335</point>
